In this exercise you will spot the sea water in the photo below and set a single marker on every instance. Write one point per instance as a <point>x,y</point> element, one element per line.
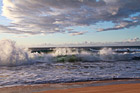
<point>18,66</point>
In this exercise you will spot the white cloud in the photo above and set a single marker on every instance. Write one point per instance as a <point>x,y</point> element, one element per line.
<point>73,33</point>
<point>136,39</point>
<point>54,16</point>
<point>121,43</point>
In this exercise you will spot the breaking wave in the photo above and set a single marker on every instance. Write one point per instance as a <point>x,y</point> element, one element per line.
<point>105,54</point>
<point>64,65</point>
<point>11,54</point>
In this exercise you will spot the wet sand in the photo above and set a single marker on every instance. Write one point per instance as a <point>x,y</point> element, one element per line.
<point>107,86</point>
<point>121,88</point>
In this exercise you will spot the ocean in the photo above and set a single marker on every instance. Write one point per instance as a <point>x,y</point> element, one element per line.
<point>19,66</point>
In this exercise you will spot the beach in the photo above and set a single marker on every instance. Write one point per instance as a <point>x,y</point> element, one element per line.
<point>69,46</point>
<point>122,88</point>
<point>107,86</point>
<point>102,71</point>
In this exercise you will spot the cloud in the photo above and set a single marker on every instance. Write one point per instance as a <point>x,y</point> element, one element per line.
<point>5,29</point>
<point>73,33</point>
<point>136,39</point>
<point>55,16</point>
<point>122,25</point>
<point>129,42</point>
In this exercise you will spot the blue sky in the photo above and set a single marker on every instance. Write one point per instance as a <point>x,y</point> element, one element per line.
<point>81,30</point>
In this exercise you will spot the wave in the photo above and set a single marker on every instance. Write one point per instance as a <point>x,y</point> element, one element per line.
<point>12,55</point>
<point>64,65</point>
<point>105,54</point>
<point>127,50</point>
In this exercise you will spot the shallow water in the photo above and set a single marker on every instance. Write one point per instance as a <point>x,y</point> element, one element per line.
<point>59,72</point>
<point>21,67</point>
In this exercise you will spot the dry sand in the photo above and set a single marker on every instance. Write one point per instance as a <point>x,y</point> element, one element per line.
<point>121,88</point>
<point>108,86</point>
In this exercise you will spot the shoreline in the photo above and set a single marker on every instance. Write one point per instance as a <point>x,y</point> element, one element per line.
<point>75,86</point>
<point>119,88</point>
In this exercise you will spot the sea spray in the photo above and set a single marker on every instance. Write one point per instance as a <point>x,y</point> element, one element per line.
<point>77,65</point>
<point>106,51</point>
<point>107,54</point>
<point>11,54</point>
<point>75,54</point>
<point>65,51</point>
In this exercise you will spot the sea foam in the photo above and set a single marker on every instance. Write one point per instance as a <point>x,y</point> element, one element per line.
<point>63,65</point>
<point>13,55</point>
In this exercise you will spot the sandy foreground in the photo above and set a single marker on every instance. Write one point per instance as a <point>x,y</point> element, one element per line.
<point>122,88</point>
<point>109,86</point>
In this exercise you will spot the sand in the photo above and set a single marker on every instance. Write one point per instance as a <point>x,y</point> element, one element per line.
<point>121,88</point>
<point>108,86</point>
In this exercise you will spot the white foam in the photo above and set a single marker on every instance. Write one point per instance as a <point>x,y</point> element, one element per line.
<point>11,54</point>
<point>105,54</point>
<point>49,71</point>
<point>106,51</point>
<point>127,50</point>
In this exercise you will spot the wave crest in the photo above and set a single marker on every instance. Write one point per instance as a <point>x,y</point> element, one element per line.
<point>11,54</point>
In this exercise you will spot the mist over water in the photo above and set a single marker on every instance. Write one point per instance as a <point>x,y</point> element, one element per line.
<point>18,66</point>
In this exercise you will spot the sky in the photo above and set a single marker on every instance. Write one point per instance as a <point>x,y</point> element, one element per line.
<point>55,22</point>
